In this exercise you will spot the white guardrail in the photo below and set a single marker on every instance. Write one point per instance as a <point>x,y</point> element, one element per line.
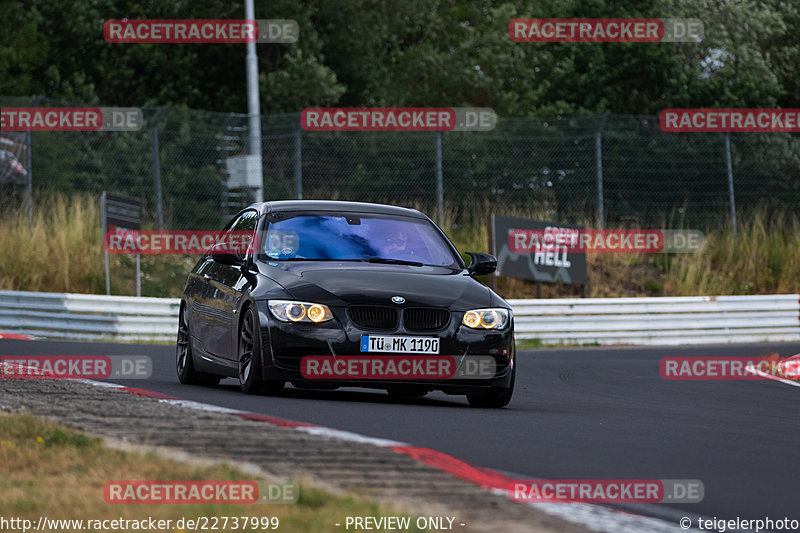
<point>89,316</point>
<point>661,320</point>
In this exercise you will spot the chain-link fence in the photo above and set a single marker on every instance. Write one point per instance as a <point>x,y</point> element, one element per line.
<point>612,170</point>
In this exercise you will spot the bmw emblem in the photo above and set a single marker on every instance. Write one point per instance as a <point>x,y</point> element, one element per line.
<point>398,299</point>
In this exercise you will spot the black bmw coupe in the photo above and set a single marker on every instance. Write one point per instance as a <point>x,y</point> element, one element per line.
<point>332,294</point>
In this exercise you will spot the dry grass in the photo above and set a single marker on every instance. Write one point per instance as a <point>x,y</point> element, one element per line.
<point>61,251</point>
<point>763,258</point>
<point>47,470</point>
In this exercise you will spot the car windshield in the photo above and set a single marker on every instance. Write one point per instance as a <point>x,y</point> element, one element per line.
<point>356,237</point>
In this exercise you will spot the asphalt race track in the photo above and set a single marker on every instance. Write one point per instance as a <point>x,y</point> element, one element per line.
<point>576,413</point>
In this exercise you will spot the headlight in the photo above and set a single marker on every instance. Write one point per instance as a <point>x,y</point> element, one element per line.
<point>495,318</point>
<point>290,311</point>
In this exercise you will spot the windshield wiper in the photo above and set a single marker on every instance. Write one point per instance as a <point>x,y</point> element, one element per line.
<point>329,259</point>
<point>381,260</point>
<point>298,259</point>
<point>387,261</point>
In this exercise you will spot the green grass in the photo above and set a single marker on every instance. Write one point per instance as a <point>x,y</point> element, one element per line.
<point>535,344</point>
<point>49,470</point>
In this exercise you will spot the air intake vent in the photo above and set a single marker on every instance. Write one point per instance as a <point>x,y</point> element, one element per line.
<point>373,316</point>
<point>425,318</point>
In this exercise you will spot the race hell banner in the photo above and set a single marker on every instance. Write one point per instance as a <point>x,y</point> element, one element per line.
<point>553,256</point>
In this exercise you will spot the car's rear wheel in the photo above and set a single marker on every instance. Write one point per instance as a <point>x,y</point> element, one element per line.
<point>495,397</point>
<point>184,361</point>
<point>250,377</point>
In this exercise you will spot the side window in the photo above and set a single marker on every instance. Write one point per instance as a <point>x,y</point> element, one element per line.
<point>246,223</point>
<point>222,235</point>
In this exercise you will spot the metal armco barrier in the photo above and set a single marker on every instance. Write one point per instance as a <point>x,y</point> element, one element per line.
<point>89,316</point>
<point>660,320</point>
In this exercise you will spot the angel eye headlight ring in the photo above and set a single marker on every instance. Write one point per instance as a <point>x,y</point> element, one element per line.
<point>490,318</point>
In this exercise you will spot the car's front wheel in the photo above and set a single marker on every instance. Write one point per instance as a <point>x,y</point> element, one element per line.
<point>495,397</point>
<point>250,378</point>
<point>184,361</point>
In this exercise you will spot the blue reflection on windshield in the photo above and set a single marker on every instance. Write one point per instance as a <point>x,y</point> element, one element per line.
<point>362,238</point>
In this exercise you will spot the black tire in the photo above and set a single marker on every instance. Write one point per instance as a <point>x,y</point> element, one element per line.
<point>496,397</point>
<point>249,356</point>
<point>184,361</point>
<point>406,391</point>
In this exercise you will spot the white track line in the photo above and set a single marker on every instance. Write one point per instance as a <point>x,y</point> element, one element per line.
<point>594,517</point>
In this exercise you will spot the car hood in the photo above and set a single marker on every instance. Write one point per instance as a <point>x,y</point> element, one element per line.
<point>341,284</point>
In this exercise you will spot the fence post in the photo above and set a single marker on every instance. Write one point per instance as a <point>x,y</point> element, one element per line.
<point>439,180</point>
<point>598,155</point>
<point>37,100</point>
<point>29,183</point>
<point>104,230</point>
<point>298,160</point>
<point>730,180</point>
<point>156,162</point>
<point>253,104</point>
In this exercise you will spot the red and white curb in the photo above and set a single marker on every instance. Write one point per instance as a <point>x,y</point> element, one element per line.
<point>766,375</point>
<point>16,336</point>
<point>593,517</point>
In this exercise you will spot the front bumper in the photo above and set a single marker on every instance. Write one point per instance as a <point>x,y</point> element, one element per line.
<point>285,344</point>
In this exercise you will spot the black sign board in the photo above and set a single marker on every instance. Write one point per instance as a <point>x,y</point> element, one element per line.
<point>122,212</point>
<point>518,258</point>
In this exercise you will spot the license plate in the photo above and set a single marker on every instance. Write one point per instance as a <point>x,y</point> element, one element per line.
<point>403,344</point>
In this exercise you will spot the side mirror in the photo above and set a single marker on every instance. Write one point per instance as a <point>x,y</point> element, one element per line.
<point>481,264</point>
<point>221,253</point>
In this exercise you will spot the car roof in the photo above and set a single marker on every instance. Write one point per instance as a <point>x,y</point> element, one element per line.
<point>331,205</point>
